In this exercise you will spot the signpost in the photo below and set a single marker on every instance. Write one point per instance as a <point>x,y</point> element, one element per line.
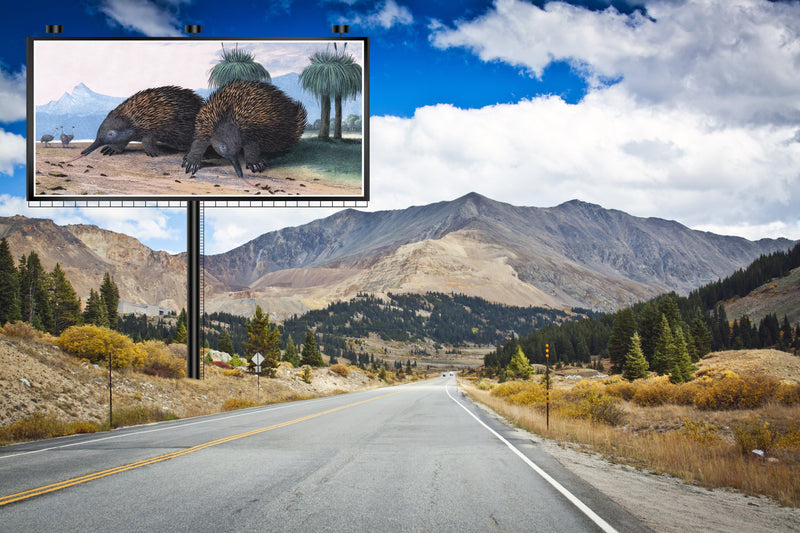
<point>258,359</point>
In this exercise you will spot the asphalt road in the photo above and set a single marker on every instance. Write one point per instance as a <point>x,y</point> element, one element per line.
<point>416,457</point>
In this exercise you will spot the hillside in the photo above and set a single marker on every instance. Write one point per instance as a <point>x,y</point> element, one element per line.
<point>572,255</point>
<point>38,377</point>
<point>780,296</point>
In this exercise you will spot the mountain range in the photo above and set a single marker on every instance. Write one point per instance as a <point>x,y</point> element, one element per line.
<point>573,255</point>
<point>86,109</point>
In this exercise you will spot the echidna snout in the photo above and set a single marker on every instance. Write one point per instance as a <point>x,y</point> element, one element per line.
<point>227,142</point>
<point>114,133</point>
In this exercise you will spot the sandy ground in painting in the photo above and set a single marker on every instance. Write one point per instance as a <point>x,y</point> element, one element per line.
<point>133,173</point>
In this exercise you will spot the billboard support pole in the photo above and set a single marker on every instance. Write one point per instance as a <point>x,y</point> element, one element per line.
<point>193,289</point>
<point>193,282</point>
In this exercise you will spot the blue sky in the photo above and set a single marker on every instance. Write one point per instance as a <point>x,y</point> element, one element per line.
<point>685,110</point>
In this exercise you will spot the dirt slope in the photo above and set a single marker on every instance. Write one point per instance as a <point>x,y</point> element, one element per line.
<point>37,377</point>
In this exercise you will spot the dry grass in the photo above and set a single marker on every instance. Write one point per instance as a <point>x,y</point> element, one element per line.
<point>697,446</point>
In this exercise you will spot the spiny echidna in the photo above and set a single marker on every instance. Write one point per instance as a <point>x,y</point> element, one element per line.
<point>158,115</point>
<point>246,116</point>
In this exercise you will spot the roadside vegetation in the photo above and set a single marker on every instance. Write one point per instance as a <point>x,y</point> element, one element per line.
<point>703,432</point>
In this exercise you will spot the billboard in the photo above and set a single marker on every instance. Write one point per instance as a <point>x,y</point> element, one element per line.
<point>198,119</point>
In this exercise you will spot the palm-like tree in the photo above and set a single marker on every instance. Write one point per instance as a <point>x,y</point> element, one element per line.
<point>237,65</point>
<point>329,75</point>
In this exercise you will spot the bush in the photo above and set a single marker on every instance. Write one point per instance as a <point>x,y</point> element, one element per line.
<point>701,431</point>
<point>621,389</point>
<point>159,361</point>
<point>731,391</point>
<point>39,426</point>
<point>601,408</point>
<point>509,388</point>
<point>237,403</point>
<point>221,364</point>
<point>21,330</point>
<point>134,416</point>
<point>95,343</point>
<point>654,392</point>
<point>233,372</point>
<point>753,434</point>
<point>340,369</point>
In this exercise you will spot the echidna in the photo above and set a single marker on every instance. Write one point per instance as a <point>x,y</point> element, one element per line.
<point>246,116</point>
<point>158,115</point>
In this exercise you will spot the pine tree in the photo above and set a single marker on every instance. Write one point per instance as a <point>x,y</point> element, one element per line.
<point>95,311</point>
<point>225,343</point>
<point>265,339</point>
<point>9,286</point>
<point>519,366</point>
<point>702,337</point>
<point>636,365</point>
<point>181,333</point>
<point>291,355</point>
<point>680,364</point>
<point>34,290</point>
<point>66,304</point>
<point>661,348</point>
<point>619,343</point>
<point>110,294</point>
<point>311,355</point>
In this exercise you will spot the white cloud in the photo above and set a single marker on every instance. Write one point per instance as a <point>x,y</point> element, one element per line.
<point>142,16</point>
<point>737,60</point>
<point>12,96</point>
<point>12,151</point>
<point>608,149</point>
<point>388,15</point>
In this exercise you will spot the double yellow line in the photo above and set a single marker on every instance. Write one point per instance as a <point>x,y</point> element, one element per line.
<point>11,498</point>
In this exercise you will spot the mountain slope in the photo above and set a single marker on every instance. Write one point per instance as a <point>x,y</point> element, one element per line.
<point>575,254</point>
<point>86,253</point>
<point>572,255</point>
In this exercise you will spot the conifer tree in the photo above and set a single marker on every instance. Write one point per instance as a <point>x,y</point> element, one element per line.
<point>265,339</point>
<point>181,333</point>
<point>680,364</point>
<point>619,343</point>
<point>225,343</point>
<point>95,311</point>
<point>110,294</point>
<point>702,337</point>
<point>519,366</point>
<point>291,355</point>
<point>66,304</point>
<point>311,355</point>
<point>636,365</point>
<point>661,348</point>
<point>35,305</point>
<point>9,286</point>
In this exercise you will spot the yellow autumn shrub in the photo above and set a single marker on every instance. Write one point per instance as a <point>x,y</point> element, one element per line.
<point>95,343</point>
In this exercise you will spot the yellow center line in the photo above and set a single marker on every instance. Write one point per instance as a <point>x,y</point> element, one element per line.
<point>11,498</point>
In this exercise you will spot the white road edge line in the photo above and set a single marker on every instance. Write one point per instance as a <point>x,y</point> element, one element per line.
<point>605,526</point>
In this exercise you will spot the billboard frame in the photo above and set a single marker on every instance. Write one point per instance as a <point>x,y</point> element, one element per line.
<point>33,195</point>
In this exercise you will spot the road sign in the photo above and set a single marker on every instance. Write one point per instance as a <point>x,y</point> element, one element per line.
<point>258,369</point>
<point>258,358</point>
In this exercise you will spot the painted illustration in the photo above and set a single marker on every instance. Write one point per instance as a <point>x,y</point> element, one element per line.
<point>198,118</point>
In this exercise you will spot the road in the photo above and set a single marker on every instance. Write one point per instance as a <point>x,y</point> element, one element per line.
<point>416,457</point>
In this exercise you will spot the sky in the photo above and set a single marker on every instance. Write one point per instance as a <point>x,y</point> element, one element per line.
<point>686,110</point>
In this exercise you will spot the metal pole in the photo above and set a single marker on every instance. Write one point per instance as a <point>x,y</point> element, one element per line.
<point>193,289</point>
<point>547,383</point>
<point>110,394</point>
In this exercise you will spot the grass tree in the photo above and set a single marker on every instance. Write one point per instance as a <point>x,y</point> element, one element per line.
<point>331,75</point>
<point>237,65</point>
